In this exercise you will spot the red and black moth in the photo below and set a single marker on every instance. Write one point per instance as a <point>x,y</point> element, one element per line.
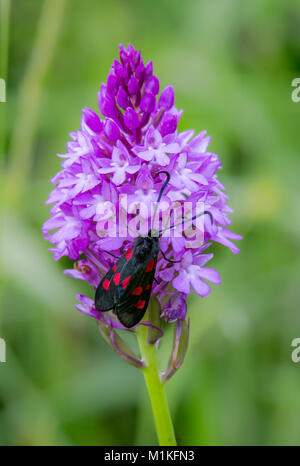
<point>126,288</point>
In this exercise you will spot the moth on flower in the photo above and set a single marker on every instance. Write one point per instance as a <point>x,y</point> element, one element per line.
<point>126,288</point>
<point>123,153</point>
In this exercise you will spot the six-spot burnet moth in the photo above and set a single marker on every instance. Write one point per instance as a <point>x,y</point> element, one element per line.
<point>126,288</point>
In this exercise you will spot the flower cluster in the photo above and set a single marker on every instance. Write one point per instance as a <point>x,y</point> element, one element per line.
<point>122,154</point>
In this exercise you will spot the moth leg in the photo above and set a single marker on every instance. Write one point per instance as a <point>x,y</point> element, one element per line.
<point>111,254</point>
<point>167,259</point>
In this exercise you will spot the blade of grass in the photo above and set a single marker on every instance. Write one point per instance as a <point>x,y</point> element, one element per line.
<point>29,100</point>
<point>4,45</point>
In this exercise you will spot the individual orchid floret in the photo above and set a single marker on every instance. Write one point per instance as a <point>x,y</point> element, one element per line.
<point>192,273</point>
<point>156,148</point>
<point>120,165</point>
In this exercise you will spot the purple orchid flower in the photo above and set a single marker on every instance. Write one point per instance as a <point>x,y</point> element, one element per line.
<point>122,154</point>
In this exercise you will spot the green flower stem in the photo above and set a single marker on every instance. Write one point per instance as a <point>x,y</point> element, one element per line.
<point>156,390</point>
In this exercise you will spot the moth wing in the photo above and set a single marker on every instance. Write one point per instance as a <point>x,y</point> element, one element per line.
<point>134,297</point>
<point>107,293</point>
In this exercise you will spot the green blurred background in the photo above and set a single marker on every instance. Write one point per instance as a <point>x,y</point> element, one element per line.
<point>231,64</point>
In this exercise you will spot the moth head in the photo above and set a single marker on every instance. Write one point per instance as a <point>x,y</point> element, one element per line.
<point>144,246</point>
<point>153,234</point>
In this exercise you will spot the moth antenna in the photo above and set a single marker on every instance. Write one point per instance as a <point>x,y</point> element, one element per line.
<point>160,194</point>
<point>206,212</point>
<point>164,185</point>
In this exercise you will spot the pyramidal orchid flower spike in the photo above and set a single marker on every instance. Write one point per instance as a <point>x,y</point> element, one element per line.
<point>121,155</point>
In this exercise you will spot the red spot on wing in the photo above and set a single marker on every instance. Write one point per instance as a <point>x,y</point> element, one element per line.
<point>116,278</point>
<point>105,284</point>
<point>114,268</point>
<point>137,291</point>
<point>140,304</point>
<point>129,254</point>
<point>150,265</point>
<point>148,287</point>
<point>125,282</point>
